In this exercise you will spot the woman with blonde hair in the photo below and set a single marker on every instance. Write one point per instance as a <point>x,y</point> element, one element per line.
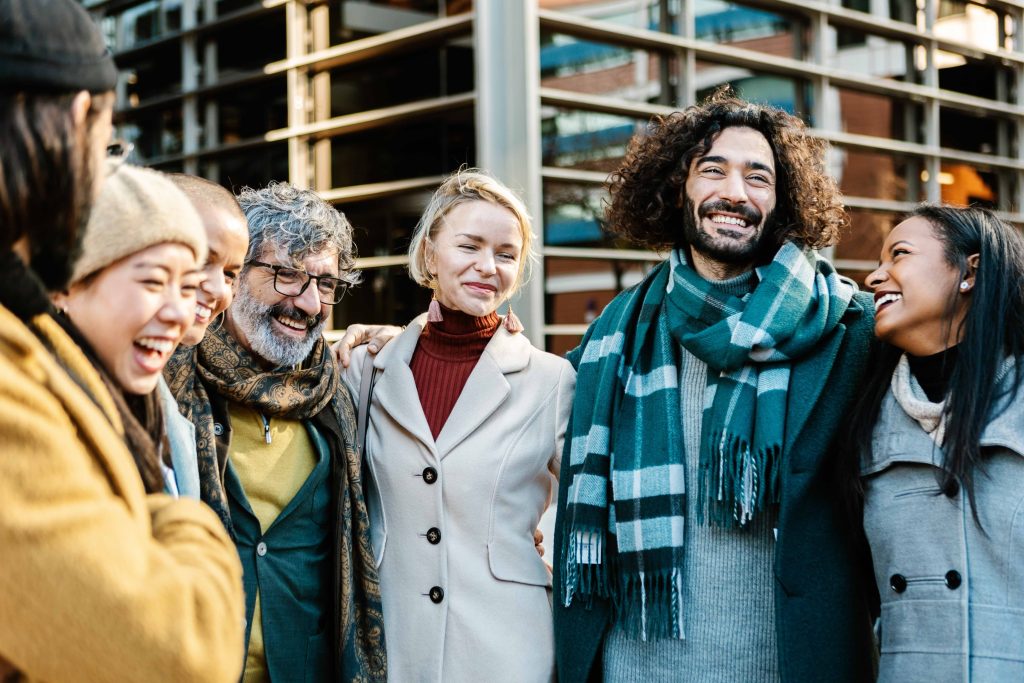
<point>464,425</point>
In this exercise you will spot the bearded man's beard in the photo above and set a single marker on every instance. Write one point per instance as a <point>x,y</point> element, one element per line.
<point>256,319</point>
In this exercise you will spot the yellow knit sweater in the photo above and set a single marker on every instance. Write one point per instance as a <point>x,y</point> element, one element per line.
<point>99,582</point>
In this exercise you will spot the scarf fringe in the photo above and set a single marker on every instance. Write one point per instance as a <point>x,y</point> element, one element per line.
<point>736,484</point>
<point>649,606</point>
<point>586,572</point>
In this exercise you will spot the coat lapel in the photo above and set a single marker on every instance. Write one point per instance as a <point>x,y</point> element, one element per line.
<point>395,390</point>
<point>486,389</point>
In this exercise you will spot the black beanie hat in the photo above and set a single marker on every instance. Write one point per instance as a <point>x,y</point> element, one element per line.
<point>52,46</point>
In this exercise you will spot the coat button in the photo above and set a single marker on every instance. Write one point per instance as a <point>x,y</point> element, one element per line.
<point>429,475</point>
<point>436,595</point>
<point>898,582</point>
<point>218,429</point>
<point>952,490</point>
<point>261,548</point>
<point>953,579</point>
<point>433,535</point>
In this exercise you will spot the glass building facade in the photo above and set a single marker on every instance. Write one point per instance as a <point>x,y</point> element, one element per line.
<point>372,102</point>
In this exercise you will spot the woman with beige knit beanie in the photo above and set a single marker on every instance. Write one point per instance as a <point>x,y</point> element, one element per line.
<point>131,300</point>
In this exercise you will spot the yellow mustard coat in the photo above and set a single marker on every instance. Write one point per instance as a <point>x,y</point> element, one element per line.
<point>99,582</point>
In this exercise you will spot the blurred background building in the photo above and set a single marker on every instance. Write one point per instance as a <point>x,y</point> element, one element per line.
<point>372,102</point>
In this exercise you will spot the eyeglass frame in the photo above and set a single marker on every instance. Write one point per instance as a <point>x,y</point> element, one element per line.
<point>118,151</point>
<point>277,268</point>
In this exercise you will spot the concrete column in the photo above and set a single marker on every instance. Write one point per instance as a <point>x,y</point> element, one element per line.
<point>505,40</point>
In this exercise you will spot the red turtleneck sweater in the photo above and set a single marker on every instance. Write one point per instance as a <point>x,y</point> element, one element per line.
<point>445,356</point>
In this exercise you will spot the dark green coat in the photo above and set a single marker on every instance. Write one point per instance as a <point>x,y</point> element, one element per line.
<point>823,589</point>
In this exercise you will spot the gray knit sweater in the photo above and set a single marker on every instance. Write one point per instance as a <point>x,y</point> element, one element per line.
<point>728,609</point>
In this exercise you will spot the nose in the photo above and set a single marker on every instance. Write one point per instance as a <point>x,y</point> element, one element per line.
<point>876,277</point>
<point>309,301</point>
<point>485,263</point>
<point>734,189</point>
<point>216,288</point>
<point>178,309</point>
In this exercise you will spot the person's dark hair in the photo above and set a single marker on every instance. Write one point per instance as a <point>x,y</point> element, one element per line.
<point>645,205</point>
<point>46,179</point>
<point>992,329</point>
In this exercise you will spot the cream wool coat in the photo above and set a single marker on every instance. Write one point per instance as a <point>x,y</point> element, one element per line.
<point>98,581</point>
<point>495,461</point>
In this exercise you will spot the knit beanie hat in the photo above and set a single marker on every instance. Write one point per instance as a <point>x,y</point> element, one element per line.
<point>137,208</point>
<point>52,46</point>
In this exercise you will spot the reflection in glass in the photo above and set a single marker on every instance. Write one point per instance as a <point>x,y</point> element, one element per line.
<point>881,116</point>
<point>411,149</point>
<point>865,236</point>
<point>585,140</point>
<point>153,132</point>
<point>152,73</point>
<point>568,63</point>
<point>249,111</point>
<point>577,290</point>
<point>789,94</point>
<point>966,185</point>
<point>990,134</point>
<point>355,19</point>
<point>877,174</point>
<point>434,72</point>
<point>383,226</point>
<point>386,295</point>
<point>247,46</point>
<point>750,28</point>
<point>866,54</point>
<point>574,214</point>
<point>251,167</point>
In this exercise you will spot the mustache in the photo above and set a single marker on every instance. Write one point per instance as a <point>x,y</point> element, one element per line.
<point>744,211</point>
<point>284,310</point>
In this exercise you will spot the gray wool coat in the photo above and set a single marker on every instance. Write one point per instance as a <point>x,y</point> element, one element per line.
<point>952,593</point>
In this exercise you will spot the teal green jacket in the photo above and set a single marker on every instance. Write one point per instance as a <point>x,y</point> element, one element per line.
<point>824,596</point>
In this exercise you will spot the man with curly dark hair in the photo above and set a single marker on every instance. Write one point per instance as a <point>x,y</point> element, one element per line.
<point>699,537</point>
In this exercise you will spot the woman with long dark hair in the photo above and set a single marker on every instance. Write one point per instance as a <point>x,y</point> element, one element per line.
<point>937,448</point>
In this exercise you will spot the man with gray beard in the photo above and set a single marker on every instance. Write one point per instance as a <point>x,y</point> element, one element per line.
<point>276,440</point>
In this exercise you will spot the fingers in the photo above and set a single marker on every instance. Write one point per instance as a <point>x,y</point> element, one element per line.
<point>355,334</point>
<point>538,541</point>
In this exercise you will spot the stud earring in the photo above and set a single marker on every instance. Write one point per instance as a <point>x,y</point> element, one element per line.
<point>434,309</point>
<point>964,286</point>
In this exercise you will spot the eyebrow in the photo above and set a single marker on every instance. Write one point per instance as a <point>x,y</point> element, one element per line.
<point>907,242</point>
<point>753,165</point>
<point>149,264</point>
<point>478,239</point>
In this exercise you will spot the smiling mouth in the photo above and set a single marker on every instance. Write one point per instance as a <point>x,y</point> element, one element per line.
<point>479,286</point>
<point>153,352</point>
<point>883,300</point>
<point>203,313</point>
<point>721,219</point>
<point>291,323</point>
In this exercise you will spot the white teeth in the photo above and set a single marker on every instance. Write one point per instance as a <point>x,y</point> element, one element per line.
<point>203,312</point>
<point>158,345</point>
<point>291,323</point>
<point>732,220</point>
<point>887,299</point>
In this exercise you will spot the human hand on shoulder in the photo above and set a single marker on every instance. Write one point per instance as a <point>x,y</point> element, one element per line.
<point>375,336</point>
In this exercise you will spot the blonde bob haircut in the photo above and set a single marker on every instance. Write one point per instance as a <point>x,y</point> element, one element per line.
<point>463,186</point>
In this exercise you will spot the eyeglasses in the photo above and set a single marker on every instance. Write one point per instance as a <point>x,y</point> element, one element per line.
<point>118,151</point>
<point>293,282</point>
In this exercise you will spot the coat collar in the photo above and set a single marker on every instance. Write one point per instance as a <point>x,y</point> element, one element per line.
<point>486,389</point>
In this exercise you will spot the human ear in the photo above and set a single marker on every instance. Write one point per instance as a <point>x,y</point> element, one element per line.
<point>967,284</point>
<point>80,107</point>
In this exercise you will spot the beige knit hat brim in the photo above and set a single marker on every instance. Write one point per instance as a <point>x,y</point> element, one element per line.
<point>137,209</point>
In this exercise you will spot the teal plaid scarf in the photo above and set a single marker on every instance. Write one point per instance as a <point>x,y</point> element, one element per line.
<point>627,492</point>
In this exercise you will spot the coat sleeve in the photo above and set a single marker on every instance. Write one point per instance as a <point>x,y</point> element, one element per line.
<point>95,585</point>
<point>563,406</point>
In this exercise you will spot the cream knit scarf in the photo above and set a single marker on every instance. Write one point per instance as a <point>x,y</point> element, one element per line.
<point>911,397</point>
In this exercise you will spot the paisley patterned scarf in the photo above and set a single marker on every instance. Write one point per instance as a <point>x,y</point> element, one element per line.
<point>220,364</point>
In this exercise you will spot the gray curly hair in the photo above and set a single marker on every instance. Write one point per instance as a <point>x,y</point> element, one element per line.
<point>301,223</point>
